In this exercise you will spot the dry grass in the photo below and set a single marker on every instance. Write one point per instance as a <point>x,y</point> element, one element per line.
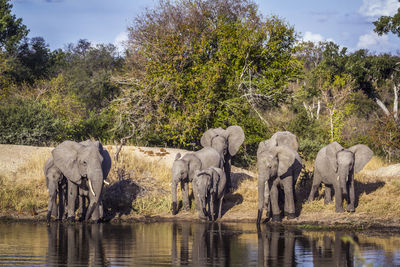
<point>26,192</point>
<point>154,177</point>
<point>375,163</point>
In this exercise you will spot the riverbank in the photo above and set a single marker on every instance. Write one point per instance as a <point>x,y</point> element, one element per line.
<point>140,191</point>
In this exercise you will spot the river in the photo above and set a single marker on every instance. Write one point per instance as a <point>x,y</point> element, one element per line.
<point>193,244</point>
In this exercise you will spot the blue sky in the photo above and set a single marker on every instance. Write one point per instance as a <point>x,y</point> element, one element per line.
<point>346,22</point>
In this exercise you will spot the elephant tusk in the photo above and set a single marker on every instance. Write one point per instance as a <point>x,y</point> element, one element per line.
<point>338,178</point>
<point>91,188</point>
<point>106,182</point>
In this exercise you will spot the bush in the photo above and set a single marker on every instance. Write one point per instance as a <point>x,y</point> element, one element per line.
<point>27,122</point>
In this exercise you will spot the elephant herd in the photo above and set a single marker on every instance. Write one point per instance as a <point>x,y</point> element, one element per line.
<point>77,171</point>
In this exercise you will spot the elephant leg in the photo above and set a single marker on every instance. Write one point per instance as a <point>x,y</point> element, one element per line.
<point>52,206</point>
<point>61,201</point>
<point>82,207</point>
<point>351,198</point>
<point>220,207</point>
<point>211,207</point>
<point>338,198</point>
<point>96,213</point>
<point>227,169</point>
<point>289,197</point>
<point>328,194</point>
<point>101,210</point>
<point>261,197</point>
<point>72,194</point>
<point>274,200</point>
<point>315,185</point>
<point>185,195</point>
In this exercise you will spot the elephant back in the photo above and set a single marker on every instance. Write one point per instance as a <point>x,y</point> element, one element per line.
<point>209,157</point>
<point>285,138</point>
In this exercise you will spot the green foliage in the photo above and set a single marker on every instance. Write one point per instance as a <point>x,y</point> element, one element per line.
<point>385,137</point>
<point>26,122</point>
<point>386,24</point>
<point>311,133</point>
<point>205,64</point>
<point>12,31</point>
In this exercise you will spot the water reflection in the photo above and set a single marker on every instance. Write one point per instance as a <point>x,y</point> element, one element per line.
<point>191,244</point>
<point>330,249</point>
<point>76,245</point>
<point>276,245</point>
<point>209,244</point>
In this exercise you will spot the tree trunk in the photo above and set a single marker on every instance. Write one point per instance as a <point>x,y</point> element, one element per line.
<point>331,112</point>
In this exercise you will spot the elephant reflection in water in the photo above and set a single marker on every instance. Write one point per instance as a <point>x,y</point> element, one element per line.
<point>276,245</point>
<point>209,246</point>
<point>74,245</point>
<point>332,250</point>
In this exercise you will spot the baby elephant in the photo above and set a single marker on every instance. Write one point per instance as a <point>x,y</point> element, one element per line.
<point>210,185</point>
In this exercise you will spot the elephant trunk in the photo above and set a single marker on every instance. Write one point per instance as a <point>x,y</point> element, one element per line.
<point>203,206</point>
<point>95,184</point>
<point>342,179</point>
<point>174,205</point>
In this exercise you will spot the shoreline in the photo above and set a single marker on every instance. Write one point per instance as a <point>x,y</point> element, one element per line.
<point>383,226</point>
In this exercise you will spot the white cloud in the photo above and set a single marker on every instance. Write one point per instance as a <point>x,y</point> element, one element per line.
<point>377,8</point>
<point>120,41</point>
<point>373,41</point>
<point>315,37</point>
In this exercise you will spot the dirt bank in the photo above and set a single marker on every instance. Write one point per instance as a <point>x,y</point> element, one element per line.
<point>378,196</point>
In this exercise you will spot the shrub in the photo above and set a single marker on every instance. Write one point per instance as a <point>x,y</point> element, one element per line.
<point>27,122</point>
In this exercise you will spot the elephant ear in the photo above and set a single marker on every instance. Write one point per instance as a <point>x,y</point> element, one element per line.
<point>235,135</point>
<point>221,178</point>
<point>207,136</point>
<point>266,145</point>
<point>286,157</point>
<point>362,154</point>
<point>331,153</point>
<point>286,138</point>
<point>106,163</point>
<point>49,163</point>
<point>65,157</point>
<point>194,163</point>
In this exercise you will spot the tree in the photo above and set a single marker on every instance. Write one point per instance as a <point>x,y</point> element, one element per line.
<point>12,31</point>
<point>197,64</point>
<point>386,24</point>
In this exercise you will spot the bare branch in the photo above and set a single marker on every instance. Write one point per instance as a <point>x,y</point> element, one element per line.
<point>395,102</point>
<point>382,106</point>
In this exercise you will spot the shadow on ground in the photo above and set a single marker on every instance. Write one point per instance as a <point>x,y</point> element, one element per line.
<point>304,184</point>
<point>118,197</point>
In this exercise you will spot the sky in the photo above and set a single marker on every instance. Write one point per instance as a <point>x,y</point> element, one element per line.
<point>348,23</point>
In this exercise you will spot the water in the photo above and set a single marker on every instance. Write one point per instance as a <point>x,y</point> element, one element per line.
<point>193,244</point>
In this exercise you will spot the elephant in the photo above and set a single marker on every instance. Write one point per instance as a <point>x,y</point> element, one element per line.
<point>210,185</point>
<point>85,165</point>
<point>335,167</point>
<point>278,139</point>
<point>183,170</point>
<point>57,185</point>
<point>278,165</point>
<point>227,143</point>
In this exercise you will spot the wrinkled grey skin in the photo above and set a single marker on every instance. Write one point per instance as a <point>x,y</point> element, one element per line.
<point>183,170</point>
<point>335,167</point>
<point>278,165</point>
<point>57,186</point>
<point>83,191</point>
<point>83,164</point>
<point>227,143</point>
<point>210,185</point>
